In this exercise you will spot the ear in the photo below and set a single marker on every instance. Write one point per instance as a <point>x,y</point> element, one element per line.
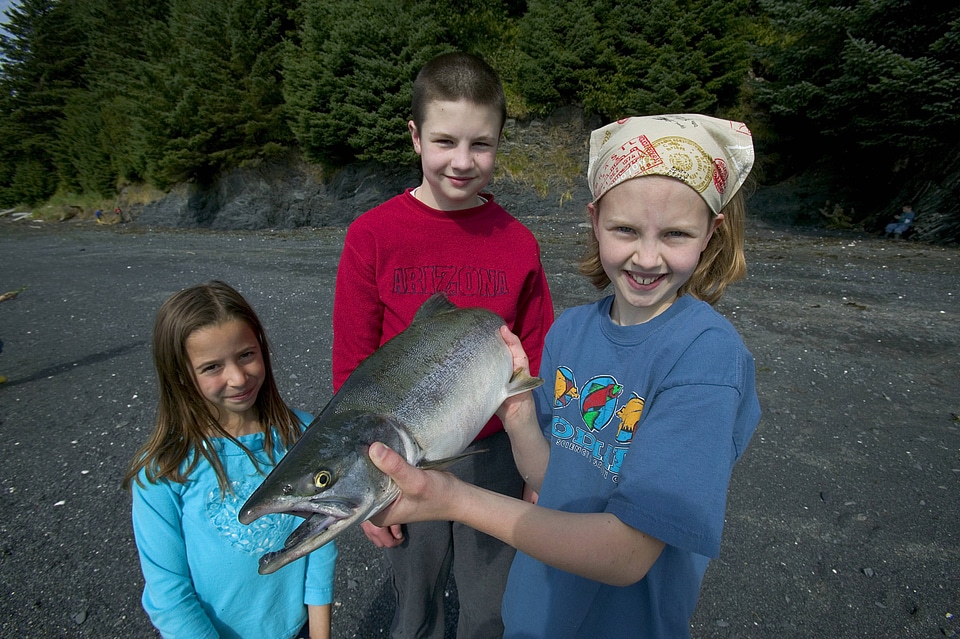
<point>717,221</point>
<point>594,217</point>
<point>714,225</point>
<point>414,135</point>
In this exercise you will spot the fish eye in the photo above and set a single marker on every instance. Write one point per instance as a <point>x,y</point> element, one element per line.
<point>322,479</point>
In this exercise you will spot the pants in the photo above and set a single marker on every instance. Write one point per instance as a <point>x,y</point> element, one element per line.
<point>421,565</point>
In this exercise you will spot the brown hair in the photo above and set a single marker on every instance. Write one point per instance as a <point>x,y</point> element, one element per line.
<point>721,263</point>
<point>457,76</point>
<point>185,422</point>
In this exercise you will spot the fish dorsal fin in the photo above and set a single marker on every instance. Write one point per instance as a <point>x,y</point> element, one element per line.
<point>436,304</point>
<point>443,464</point>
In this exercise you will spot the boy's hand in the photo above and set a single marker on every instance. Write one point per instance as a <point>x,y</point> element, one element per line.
<point>386,537</point>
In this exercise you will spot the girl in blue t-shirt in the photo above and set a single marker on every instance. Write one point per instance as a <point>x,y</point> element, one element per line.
<point>653,401</point>
<point>221,426</point>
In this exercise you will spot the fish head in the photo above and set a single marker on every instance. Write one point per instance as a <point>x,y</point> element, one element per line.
<point>327,478</point>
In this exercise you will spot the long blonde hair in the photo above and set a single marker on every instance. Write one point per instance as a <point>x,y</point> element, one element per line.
<point>185,423</point>
<point>721,263</point>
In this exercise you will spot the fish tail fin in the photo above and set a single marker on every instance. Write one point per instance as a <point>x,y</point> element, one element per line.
<point>521,382</point>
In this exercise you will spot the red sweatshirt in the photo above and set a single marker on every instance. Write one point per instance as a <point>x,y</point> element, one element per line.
<point>398,254</point>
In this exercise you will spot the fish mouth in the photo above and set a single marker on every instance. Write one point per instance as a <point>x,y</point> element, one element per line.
<point>298,544</point>
<point>324,520</point>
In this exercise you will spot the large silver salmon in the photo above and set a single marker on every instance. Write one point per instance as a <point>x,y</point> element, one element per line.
<point>426,393</point>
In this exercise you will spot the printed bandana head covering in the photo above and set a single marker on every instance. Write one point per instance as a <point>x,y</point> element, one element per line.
<point>710,155</point>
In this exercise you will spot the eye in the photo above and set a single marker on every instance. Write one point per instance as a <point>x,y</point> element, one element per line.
<point>322,479</point>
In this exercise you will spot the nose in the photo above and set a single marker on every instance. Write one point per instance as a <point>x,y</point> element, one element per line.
<point>462,159</point>
<point>646,253</point>
<point>235,375</point>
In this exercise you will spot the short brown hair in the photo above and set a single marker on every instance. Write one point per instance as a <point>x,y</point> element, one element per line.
<point>457,76</point>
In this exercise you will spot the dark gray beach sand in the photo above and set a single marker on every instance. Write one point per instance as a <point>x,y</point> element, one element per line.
<point>844,513</point>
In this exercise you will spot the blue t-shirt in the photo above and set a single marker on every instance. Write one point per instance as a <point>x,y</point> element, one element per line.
<point>645,422</point>
<point>200,563</point>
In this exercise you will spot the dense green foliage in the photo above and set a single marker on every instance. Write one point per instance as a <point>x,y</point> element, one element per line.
<point>96,94</point>
<point>617,59</point>
<point>871,92</point>
<point>348,92</point>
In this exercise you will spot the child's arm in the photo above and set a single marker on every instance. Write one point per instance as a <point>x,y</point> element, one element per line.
<point>597,546</point>
<point>319,621</point>
<point>318,589</point>
<point>169,597</point>
<point>534,318</point>
<point>357,309</point>
<point>357,330</point>
<point>531,450</point>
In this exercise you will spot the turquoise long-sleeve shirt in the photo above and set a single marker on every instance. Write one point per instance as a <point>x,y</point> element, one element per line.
<point>200,563</point>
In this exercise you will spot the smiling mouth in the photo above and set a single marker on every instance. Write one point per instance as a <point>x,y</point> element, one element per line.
<point>241,396</point>
<point>644,281</point>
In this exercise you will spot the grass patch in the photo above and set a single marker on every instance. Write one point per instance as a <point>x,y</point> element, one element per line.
<point>549,158</point>
<point>65,206</point>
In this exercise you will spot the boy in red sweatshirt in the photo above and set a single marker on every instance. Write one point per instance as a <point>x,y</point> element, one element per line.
<point>445,235</point>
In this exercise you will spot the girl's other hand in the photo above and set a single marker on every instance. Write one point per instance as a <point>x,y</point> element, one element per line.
<point>519,406</point>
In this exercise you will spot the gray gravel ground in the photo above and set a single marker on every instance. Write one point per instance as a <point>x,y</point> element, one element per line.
<point>844,514</point>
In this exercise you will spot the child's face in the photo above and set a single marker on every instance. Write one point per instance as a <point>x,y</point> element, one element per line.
<point>457,145</point>
<point>228,367</point>
<point>651,231</point>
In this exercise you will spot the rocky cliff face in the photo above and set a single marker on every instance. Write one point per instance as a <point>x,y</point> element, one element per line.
<point>280,194</point>
<point>290,194</point>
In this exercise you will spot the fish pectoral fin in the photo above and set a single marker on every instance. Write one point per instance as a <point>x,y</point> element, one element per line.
<point>443,464</point>
<point>521,381</point>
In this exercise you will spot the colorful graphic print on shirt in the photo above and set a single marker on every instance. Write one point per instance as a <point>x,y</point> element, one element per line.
<point>583,414</point>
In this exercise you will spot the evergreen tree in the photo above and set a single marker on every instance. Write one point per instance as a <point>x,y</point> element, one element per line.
<point>617,59</point>
<point>212,98</point>
<point>42,62</point>
<point>81,155</point>
<point>873,91</point>
<point>98,136</point>
<point>559,45</point>
<point>349,82</point>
